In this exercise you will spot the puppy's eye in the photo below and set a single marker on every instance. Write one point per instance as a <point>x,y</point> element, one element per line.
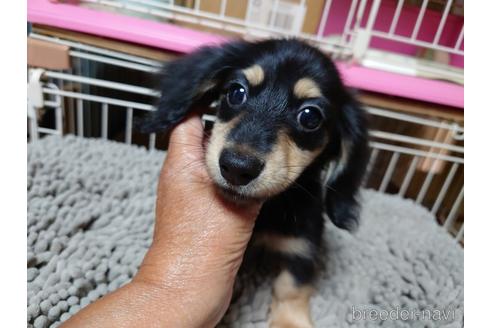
<point>310,118</point>
<point>236,94</point>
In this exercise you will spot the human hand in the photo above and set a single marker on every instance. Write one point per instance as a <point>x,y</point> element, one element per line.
<point>199,239</point>
<point>187,276</point>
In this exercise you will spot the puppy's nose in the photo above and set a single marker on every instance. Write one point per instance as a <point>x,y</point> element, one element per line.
<point>239,169</point>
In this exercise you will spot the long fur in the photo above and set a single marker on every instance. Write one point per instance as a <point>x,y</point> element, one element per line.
<point>266,125</point>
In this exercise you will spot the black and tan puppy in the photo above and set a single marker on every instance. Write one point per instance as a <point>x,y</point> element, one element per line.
<point>283,118</point>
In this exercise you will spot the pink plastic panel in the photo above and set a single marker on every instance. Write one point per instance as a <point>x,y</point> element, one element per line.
<point>173,38</point>
<point>439,92</point>
<point>125,28</point>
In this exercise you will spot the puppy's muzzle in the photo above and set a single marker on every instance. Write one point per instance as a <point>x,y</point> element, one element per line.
<point>239,168</point>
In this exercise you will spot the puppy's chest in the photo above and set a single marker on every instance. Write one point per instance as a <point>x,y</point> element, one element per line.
<point>290,218</point>
<point>285,233</point>
<point>279,220</point>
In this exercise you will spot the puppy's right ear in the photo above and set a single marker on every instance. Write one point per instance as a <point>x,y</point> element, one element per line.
<point>194,79</point>
<point>349,168</point>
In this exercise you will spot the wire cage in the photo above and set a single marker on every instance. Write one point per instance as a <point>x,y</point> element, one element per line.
<point>415,155</point>
<point>414,37</point>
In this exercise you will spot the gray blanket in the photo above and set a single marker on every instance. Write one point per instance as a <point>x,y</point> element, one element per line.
<point>90,221</point>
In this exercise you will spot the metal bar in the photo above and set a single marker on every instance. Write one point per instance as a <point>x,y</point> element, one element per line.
<point>103,83</point>
<point>444,188</point>
<point>48,131</point>
<point>98,50</point>
<point>188,19</point>
<point>33,124</point>
<point>104,121</point>
<point>394,22</point>
<point>452,214</point>
<point>420,17</point>
<point>204,14</point>
<point>106,2</point>
<point>360,12</point>
<point>59,119</point>
<point>430,174</point>
<point>78,86</point>
<point>411,69</point>
<point>363,35</point>
<point>370,165</point>
<point>416,141</point>
<point>416,152</point>
<point>348,22</point>
<point>164,14</point>
<point>152,141</point>
<point>324,44</point>
<point>444,17</point>
<point>389,172</point>
<point>49,103</point>
<point>71,115</point>
<point>460,38</point>
<point>99,99</point>
<point>57,106</point>
<point>80,117</point>
<point>324,19</point>
<point>399,38</point>
<point>273,14</point>
<point>223,5</point>
<point>459,235</point>
<point>129,124</point>
<point>115,62</point>
<point>458,133</point>
<point>372,15</point>
<point>408,177</point>
<point>55,103</point>
<point>413,119</point>
<point>302,5</point>
<point>427,182</point>
<point>357,23</point>
<point>61,110</point>
<point>137,9</point>
<point>197,5</point>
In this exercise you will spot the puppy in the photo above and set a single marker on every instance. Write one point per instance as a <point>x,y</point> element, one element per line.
<point>283,119</point>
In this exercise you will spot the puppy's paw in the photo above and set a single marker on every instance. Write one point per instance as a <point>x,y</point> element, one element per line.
<point>290,314</point>
<point>290,306</point>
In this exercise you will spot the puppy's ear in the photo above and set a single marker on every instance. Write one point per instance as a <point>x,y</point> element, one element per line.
<point>194,79</point>
<point>347,171</point>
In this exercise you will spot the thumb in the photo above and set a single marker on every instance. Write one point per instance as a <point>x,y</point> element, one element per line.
<point>186,138</point>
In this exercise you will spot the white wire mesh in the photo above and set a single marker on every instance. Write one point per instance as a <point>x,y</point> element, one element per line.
<point>430,30</point>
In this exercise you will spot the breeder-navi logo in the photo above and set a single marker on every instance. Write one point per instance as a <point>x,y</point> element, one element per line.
<point>398,313</point>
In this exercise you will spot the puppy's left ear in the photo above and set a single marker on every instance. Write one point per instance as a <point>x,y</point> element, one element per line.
<point>194,79</point>
<point>347,170</point>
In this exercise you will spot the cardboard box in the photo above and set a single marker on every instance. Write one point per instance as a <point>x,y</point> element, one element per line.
<point>236,8</point>
<point>314,11</point>
<point>47,55</point>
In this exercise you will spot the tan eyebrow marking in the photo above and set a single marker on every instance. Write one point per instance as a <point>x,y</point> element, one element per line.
<point>254,74</point>
<point>306,88</point>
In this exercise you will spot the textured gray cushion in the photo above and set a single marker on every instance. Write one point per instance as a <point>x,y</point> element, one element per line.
<point>90,221</point>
